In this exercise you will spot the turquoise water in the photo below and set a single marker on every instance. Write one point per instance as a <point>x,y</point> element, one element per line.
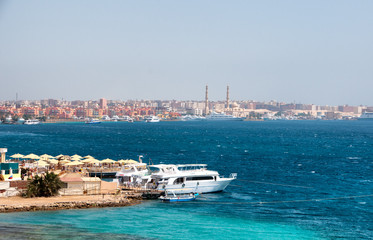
<point>276,162</point>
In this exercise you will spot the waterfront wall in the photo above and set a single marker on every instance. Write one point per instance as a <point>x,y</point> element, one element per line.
<point>70,205</point>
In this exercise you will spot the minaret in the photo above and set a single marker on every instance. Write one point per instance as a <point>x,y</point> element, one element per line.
<point>206,100</point>
<point>227,104</point>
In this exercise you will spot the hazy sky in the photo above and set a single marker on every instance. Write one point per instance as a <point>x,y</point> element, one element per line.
<point>318,52</point>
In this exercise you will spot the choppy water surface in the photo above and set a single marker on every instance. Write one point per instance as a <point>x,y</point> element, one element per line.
<point>279,164</point>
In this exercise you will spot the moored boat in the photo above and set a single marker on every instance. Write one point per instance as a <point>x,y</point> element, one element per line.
<point>92,121</point>
<point>151,119</point>
<point>31,122</point>
<point>366,116</point>
<point>171,196</point>
<point>185,177</point>
<point>131,175</point>
<point>214,116</point>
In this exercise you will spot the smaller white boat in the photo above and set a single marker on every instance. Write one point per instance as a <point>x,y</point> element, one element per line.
<point>366,116</point>
<point>21,121</point>
<point>171,196</point>
<point>92,121</point>
<point>31,122</point>
<point>151,119</point>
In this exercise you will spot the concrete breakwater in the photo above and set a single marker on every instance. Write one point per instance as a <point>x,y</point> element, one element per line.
<point>18,204</point>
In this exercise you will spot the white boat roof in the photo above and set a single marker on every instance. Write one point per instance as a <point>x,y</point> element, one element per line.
<point>135,164</point>
<point>178,165</point>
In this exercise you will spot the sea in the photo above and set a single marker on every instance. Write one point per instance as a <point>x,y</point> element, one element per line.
<point>296,180</point>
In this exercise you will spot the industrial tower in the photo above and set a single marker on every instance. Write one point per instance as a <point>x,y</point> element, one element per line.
<point>207,101</point>
<point>227,104</point>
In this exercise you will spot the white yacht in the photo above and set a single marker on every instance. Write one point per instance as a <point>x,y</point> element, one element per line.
<point>366,116</point>
<point>214,116</point>
<point>31,122</point>
<point>8,120</point>
<point>151,119</point>
<point>92,121</point>
<point>187,178</point>
<point>192,118</point>
<point>126,119</point>
<point>131,174</point>
<point>106,118</point>
<point>115,118</point>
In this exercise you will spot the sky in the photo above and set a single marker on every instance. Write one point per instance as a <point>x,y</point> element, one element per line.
<point>314,52</point>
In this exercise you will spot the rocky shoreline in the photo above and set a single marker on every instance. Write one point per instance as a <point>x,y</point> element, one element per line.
<point>18,204</point>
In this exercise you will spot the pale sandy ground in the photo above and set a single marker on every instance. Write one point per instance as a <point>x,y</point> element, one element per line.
<point>40,201</point>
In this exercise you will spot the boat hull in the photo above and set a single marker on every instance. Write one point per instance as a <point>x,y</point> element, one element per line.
<point>178,199</point>
<point>198,186</point>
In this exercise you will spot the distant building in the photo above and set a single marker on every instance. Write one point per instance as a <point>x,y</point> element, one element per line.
<point>103,103</point>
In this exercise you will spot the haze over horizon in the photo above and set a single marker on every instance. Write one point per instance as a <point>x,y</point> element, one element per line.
<point>314,52</point>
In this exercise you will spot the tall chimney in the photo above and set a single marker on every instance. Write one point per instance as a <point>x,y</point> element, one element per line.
<point>206,100</point>
<point>227,98</point>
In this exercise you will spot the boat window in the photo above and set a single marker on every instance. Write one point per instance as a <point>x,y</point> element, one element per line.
<point>126,179</point>
<point>199,178</point>
<point>191,167</point>
<point>154,170</point>
<point>179,181</point>
<point>163,180</point>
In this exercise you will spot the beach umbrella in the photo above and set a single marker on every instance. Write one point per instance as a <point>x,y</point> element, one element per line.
<point>88,156</point>
<point>88,160</point>
<point>64,161</point>
<point>76,156</point>
<point>48,159</point>
<point>130,161</point>
<point>65,157</point>
<point>108,160</point>
<point>45,156</point>
<point>122,161</point>
<point>94,161</point>
<point>17,155</point>
<point>61,155</point>
<point>52,161</point>
<point>31,156</point>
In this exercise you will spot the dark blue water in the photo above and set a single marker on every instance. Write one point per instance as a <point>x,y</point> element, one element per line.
<point>296,180</point>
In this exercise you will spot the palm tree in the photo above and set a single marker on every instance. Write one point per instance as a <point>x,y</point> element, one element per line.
<point>44,186</point>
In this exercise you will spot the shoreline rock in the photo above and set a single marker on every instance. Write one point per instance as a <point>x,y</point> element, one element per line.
<point>64,205</point>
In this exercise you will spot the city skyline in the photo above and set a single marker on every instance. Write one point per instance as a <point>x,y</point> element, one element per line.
<point>311,53</point>
<point>19,99</point>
